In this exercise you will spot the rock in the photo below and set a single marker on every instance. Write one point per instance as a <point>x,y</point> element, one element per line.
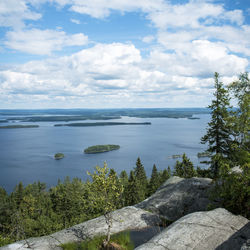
<point>236,169</point>
<point>246,245</point>
<point>178,197</point>
<point>217,229</point>
<point>123,219</point>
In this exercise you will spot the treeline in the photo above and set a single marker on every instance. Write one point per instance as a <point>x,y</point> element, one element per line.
<point>35,210</point>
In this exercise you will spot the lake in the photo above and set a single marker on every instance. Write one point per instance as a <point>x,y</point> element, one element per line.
<point>27,154</point>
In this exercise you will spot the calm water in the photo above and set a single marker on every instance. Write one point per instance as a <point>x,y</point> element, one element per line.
<point>27,154</point>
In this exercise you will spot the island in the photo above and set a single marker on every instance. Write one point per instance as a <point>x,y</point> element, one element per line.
<point>20,126</point>
<point>204,154</point>
<point>58,156</point>
<point>101,148</point>
<point>92,124</point>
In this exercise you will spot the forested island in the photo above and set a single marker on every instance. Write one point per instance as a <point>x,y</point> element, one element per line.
<point>20,126</point>
<point>59,156</point>
<point>94,124</point>
<point>101,148</point>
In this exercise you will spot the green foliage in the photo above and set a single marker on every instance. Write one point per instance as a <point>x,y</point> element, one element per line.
<point>4,240</point>
<point>240,125</point>
<point>131,192</point>
<point>232,190</point>
<point>104,193</point>
<point>141,179</point>
<point>185,168</point>
<point>164,175</point>
<point>122,239</point>
<point>218,131</point>
<point>59,156</point>
<point>154,182</point>
<point>203,173</point>
<point>101,148</point>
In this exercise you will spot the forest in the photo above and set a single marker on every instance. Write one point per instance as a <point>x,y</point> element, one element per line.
<point>34,210</point>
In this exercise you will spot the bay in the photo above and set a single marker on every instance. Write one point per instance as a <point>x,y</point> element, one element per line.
<point>27,154</point>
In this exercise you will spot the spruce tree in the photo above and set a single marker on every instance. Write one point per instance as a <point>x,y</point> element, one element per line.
<point>131,192</point>
<point>240,90</point>
<point>154,182</point>
<point>185,168</point>
<point>218,131</point>
<point>141,178</point>
<point>164,175</point>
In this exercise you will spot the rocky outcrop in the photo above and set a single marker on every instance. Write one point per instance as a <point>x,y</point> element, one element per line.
<point>123,219</point>
<point>178,197</point>
<point>217,229</point>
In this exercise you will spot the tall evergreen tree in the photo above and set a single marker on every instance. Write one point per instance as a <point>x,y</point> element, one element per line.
<point>164,175</point>
<point>154,181</point>
<point>132,195</point>
<point>218,131</point>
<point>185,168</point>
<point>240,120</point>
<point>124,182</point>
<point>141,178</point>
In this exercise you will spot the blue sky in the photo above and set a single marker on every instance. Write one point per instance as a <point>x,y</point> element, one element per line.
<point>119,53</point>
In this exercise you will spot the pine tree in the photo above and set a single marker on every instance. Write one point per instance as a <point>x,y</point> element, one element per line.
<point>185,168</point>
<point>141,178</point>
<point>154,182</point>
<point>218,131</point>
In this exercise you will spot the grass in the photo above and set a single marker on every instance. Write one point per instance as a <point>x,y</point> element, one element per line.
<point>122,239</point>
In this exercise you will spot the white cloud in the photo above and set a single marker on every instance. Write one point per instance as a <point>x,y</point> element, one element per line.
<point>13,13</point>
<point>75,21</point>
<point>148,39</point>
<point>42,42</point>
<point>102,8</point>
<point>116,73</point>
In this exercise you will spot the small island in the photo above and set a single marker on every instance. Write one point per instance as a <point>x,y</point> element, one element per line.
<point>204,154</point>
<point>101,148</point>
<point>58,156</point>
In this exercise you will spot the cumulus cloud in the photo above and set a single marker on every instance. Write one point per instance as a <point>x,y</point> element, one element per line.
<point>117,73</point>
<point>194,39</point>
<point>42,42</point>
<point>13,13</point>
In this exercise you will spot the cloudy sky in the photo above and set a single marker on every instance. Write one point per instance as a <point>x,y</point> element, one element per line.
<point>119,53</point>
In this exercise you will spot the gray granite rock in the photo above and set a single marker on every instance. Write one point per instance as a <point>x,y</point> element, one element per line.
<point>217,229</point>
<point>125,218</point>
<point>178,197</point>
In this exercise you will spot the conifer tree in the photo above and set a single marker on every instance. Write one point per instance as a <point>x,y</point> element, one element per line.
<point>164,175</point>
<point>132,194</point>
<point>141,178</point>
<point>185,168</point>
<point>124,182</point>
<point>218,131</point>
<point>240,89</point>
<point>154,181</point>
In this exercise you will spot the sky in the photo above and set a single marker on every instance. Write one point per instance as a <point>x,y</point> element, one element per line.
<point>119,53</point>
